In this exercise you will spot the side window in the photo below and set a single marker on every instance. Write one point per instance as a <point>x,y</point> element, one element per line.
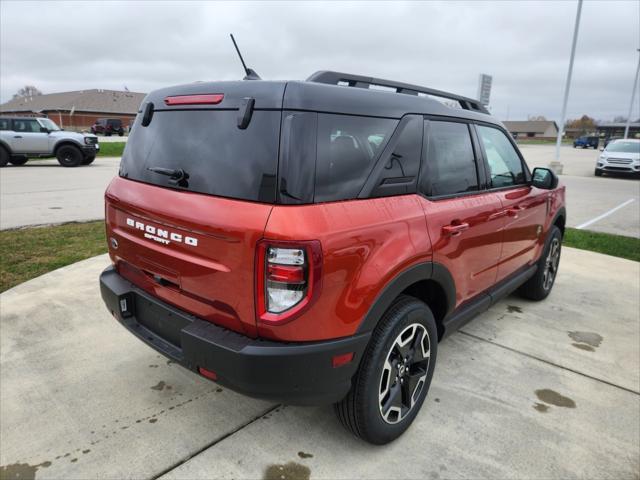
<point>5,124</point>
<point>505,166</point>
<point>26,125</point>
<point>347,148</point>
<point>450,161</point>
<point>397,170</point>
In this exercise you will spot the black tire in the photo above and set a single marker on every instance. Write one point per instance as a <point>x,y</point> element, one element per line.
<point>539,286</point>
<point>19,160</point>
<point>120,133</point>
<point>361,411</point>
<point>597,173</point>
<point>4,156</point>
<point>69,156</point>
<point>88,160</point>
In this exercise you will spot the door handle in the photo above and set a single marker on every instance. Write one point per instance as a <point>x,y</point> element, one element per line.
<point>455,229</point>
<point>17,136</point>
<point>514,211</point>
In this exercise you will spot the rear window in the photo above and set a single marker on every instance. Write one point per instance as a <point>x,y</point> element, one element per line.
<point>218,157</point>
<point>114,123</point>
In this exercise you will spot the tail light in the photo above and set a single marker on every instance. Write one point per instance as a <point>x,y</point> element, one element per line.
<point>287,279</point>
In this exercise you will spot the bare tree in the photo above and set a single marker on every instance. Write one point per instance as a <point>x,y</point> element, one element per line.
<point>27,91</point>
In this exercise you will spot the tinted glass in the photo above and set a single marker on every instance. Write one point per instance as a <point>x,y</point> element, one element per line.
<point>397,171</point>
<point>219,158</point>
<point>450,164</point>
<point>298,157</point>
<point>114,123</point>
<point>5,124</point>
<point>347,147</point>
<point>505,166</point>
<point>26,125</point>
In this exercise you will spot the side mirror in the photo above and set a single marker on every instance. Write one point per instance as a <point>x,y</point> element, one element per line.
<point>544,178</point>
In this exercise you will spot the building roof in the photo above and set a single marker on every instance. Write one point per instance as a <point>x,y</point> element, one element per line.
<point>96,100</point>
<point>618,125</point>
<point>529,126</point>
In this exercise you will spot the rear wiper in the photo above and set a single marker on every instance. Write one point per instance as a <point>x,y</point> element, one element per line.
<point>177,176</point>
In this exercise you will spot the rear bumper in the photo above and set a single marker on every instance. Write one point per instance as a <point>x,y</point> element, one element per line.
<point>292,373</point>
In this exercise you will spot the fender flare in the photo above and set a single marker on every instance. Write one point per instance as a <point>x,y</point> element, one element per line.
<point>562,212</point>
<point>6,146</point>
<point>402,281</point>
<point>65,141</point>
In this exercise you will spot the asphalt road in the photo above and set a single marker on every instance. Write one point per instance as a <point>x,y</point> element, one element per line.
<point>527,390</point>
<point>42,192</point>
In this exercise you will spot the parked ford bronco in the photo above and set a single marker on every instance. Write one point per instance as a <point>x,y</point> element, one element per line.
<point>311,242</point>
<point>108,127</point>
<point>25,137</point>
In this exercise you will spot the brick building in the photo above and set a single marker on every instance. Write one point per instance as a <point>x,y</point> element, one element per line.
<point>78,110</point>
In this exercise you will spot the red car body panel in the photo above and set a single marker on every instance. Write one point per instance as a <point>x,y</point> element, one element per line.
<point>365,243</point>
<point>214,280</point>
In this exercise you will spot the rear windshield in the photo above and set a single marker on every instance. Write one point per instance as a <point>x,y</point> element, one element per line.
<point>218,157</point>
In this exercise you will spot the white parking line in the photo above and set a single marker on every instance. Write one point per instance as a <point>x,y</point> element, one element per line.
<point>605,214</point>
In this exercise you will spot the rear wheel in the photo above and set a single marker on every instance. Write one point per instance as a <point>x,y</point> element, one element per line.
<point>539,286</point>
<point>69,156</point>
<point>17,161</point>
<point>394,375</point>
<point>4,157</point>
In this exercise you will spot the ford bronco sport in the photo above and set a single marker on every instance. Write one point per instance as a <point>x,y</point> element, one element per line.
<point>25,137</point>
<point>311,242</point>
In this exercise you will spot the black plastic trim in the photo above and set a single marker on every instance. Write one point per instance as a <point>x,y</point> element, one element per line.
<point>292,373</point>
<point>480,303</point>
<point>414,274</point>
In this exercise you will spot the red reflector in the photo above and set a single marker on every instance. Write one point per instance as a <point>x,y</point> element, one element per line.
<point>285,273</point>
<point>207,373</point>
<point>204,99</point>
<point>343,359</point>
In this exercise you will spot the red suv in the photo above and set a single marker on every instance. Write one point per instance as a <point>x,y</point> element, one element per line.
<point>311,242</point>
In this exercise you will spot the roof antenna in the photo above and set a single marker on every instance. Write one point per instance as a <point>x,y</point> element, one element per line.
<point>251,74</point>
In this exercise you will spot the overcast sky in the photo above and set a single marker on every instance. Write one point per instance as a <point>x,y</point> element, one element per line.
<point>59,46</point>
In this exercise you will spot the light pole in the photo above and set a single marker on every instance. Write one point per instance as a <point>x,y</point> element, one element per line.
<point>556,166</point>
<point>633,97</point>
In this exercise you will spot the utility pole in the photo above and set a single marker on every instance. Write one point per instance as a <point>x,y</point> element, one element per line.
<point>556,165</point>
<point>633,97</point>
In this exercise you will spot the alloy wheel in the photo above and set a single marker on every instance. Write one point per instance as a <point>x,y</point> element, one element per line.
<point>404,373</point>
<point>551,264</point>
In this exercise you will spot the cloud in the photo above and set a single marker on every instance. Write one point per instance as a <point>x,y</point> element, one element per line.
<point>146,45</point>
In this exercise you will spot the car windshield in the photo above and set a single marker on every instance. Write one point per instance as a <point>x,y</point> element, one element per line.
<point>621,146</point>
<point>49,124</point>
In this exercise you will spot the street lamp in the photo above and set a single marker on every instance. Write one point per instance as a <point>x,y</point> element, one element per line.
<point>633,97</point>
<point>556,166</point>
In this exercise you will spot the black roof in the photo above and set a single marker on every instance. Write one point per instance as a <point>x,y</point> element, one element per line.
<point>319,93</point>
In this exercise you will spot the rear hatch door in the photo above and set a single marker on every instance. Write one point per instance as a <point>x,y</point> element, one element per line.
<point>190,238</point>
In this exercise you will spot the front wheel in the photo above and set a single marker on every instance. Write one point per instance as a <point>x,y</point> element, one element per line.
<point>394,374</point>
<point>597,173</point>
<point>88,160</point>
<point>69,156</point>
<point>539,286</point>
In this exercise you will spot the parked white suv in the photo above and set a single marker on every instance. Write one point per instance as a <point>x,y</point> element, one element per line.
<point>25,137</point>
<point>620,156</point>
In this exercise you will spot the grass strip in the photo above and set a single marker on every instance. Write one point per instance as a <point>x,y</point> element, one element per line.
<point>30,252</point>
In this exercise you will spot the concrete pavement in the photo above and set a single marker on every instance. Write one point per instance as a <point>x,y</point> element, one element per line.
<point>527,390</point>
<point>42,192</point>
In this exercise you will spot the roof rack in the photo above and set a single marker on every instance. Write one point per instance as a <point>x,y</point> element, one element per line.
<point>359,81</point>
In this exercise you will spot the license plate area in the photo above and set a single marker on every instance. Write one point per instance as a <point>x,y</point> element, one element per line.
<point>159,320</point>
